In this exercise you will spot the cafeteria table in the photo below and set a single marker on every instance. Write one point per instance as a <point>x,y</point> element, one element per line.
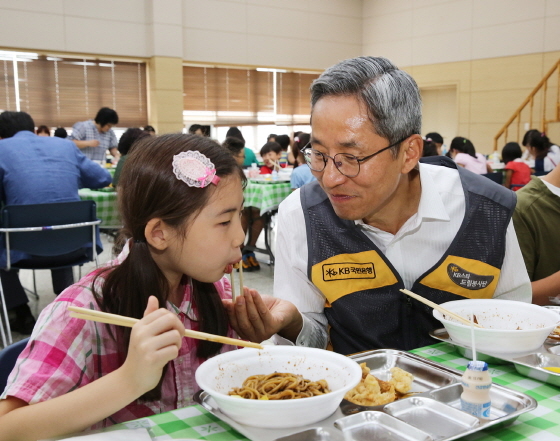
<point>542,423</point>
<point>266,196</point>
<point>106,202</point>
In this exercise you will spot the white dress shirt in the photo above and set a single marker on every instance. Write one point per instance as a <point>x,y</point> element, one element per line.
<point>416,248</point>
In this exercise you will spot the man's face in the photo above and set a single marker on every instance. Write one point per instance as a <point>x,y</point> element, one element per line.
<point>105,128</point>
<point>340,124</point>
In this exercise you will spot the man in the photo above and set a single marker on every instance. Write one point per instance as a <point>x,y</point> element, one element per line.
<point>95,137</point>
<point>377,221</point>
<point>536,219</point>
<point>38,170</point>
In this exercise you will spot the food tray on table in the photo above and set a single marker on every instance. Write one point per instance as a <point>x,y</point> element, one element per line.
<point>531,365</point>
<point>429,411</point>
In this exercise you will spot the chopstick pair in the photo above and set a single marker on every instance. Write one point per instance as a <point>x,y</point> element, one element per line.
<point>440,308</point>
<point>232,282</point>
<point>119,320</point>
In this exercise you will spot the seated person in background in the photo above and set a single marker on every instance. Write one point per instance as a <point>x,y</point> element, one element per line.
<point>430,148</point>
<point>545,154</point>
<point>437,139</point>
<point>378,220</point>
<point>271,137</point>
<point>196,129</point>
<point>61,132</point>
<point>463,153</point>
<point>236,148</point>
<point>95,137</point>
<point>536,219</point>
<point>249,155</point>
<point>271,153</point>
<point>38,170</point>
<point>516,171</point>
<point>301,174</point>
<point>43,131</point>
<point>151,131</point>
<point>284,141</point>
<point>126,142</point>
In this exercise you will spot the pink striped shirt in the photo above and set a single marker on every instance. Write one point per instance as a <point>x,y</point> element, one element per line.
<point>65,353</point>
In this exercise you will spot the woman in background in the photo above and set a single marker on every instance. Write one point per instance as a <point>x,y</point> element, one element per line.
<point>545,153</point>
<point>301,174</point>
<point>464,154</point>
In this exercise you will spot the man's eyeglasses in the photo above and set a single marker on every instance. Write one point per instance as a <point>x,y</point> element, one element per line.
<point>345,163</point>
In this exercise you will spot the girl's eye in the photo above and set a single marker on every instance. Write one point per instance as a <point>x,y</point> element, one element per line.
<point>225,223</point>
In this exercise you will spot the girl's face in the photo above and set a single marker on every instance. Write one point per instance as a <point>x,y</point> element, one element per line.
<point>271,157</point>
<point>213,238</point>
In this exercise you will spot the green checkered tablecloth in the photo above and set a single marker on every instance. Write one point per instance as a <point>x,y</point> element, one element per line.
<point>106,201</point>
<point>541,424</point>
<point>265,196</point>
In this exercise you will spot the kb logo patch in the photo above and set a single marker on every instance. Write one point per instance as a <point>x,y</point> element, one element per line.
<point>467,279</point>
<point>346,271</point>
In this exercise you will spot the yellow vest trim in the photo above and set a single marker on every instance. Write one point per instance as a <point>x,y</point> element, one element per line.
<point>345,274</point>
<point>468,278</point>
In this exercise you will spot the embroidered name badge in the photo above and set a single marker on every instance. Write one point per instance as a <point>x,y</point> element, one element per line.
<point>347,271</point>
<point>467,279</point>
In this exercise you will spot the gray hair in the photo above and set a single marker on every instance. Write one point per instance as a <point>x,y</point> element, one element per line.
<point>391,96</point>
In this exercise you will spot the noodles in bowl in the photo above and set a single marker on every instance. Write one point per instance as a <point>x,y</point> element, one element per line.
<point>279,386</point>
<point>222,373</point>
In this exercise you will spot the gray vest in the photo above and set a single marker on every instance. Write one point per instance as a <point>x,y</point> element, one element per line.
<point>364,306</point>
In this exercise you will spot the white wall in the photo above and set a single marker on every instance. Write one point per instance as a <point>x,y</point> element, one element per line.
<point>302,34</point>
<point>420,32</point>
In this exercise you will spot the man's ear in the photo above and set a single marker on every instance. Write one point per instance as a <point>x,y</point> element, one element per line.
<point>412,152</point>
<point>157,234</point>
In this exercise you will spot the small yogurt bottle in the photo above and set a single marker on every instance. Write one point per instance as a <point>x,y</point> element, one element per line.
<point>476,382</point>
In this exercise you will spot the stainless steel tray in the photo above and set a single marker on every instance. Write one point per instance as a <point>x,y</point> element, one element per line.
<point>435,387</point>
<point>531,365</point>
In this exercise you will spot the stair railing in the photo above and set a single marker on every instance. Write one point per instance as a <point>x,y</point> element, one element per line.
<point>530,102</point>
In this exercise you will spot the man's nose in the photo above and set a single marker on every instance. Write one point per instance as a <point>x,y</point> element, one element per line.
<point>331,177</point>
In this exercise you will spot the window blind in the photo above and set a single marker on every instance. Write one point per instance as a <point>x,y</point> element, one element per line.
<point>59,91</point>
<point>247,96</point>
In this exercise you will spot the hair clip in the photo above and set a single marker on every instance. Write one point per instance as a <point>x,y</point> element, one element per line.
<point>296,139</point>
<point>194,169</point>
<point>428,139</point>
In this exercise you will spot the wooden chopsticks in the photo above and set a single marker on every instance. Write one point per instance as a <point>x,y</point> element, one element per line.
<point>440,308</point>
<point>232,282</point>
<point>119,320</point>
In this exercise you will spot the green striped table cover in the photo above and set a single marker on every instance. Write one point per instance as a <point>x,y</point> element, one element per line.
<point>542,424</point>
<point>106,201</point>
<point>265,196</point>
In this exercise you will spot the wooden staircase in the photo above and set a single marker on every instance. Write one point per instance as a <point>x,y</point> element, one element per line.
<point>541,109</point>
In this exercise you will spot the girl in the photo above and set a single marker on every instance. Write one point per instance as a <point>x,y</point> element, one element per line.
<point>464,154</point>
<point>180,197</point>
<point>546,154</point>
<point>517,172</point>
<point>302,173</point>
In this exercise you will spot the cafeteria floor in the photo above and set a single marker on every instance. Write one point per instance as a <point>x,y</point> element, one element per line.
<point>260,280</point>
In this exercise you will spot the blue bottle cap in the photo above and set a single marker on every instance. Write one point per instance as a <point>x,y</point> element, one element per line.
<point>477,366</point>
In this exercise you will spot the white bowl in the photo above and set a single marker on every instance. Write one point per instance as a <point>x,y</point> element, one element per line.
<point>511,328</point>
<point>218,375</point>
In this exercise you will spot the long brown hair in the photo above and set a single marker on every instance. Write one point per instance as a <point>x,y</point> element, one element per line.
<point>149,189</point>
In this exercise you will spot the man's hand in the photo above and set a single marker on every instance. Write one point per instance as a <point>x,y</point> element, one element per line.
<point>257,318</point>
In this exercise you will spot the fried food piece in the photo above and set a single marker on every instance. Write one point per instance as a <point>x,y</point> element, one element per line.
<point>401,380</point>
<point>372,391</point>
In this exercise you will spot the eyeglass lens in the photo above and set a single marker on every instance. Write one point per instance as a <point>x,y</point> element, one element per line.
<point>347,164</point>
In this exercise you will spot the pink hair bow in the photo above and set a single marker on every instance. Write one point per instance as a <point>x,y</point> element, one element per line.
<point>194,169</point>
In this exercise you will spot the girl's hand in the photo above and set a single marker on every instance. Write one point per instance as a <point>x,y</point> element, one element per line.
<point>257,318</point>
<point>154,341</point>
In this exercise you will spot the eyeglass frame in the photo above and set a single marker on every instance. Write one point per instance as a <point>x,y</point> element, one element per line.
<point>358,160</point>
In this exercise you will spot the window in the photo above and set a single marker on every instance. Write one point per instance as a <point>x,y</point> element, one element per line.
<point>235,97</point>
<point>58,91</point>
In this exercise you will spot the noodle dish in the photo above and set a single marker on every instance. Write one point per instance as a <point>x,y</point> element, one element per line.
<point>279,386</point>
